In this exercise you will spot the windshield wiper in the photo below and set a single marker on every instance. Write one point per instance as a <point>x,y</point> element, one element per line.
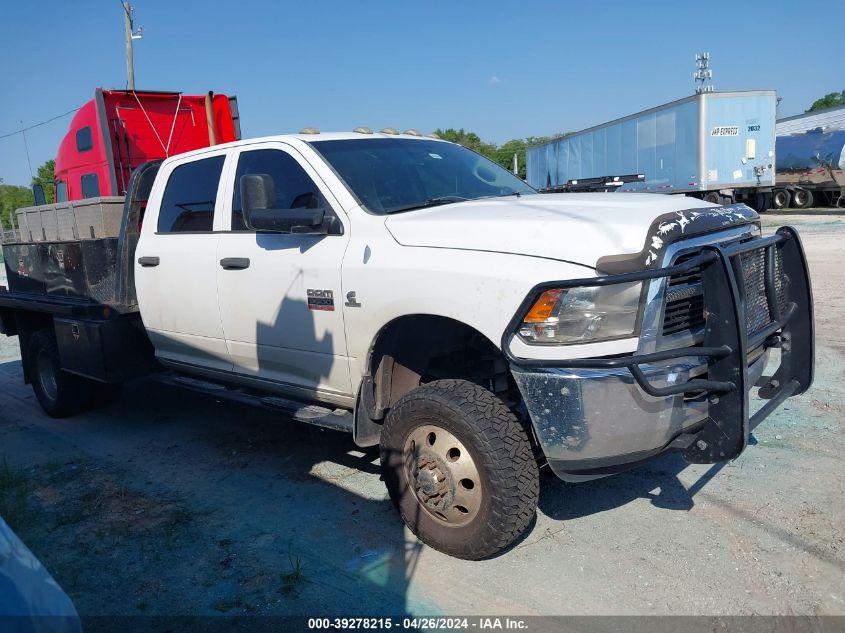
<point>431,202</point>
<point>518,194</point>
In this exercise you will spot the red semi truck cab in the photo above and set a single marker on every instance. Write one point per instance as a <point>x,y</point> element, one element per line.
<point>120,129</point>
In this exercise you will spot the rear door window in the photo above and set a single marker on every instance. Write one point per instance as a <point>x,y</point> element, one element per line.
<point>189,197</point>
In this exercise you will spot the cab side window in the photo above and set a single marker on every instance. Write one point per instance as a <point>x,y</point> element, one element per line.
<point>294,188</point>
<point>90,185</point>
<point>84,139</point>
<point>188,201</point>
<point>61,191</point>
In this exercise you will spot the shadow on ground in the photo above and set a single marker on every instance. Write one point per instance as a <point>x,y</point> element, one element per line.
<point>170,502</point>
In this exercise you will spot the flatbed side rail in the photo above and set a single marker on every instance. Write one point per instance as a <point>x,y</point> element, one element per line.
<point>64,306</point>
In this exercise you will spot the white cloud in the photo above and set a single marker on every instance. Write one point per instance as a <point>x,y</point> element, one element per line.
<point>494,80</point>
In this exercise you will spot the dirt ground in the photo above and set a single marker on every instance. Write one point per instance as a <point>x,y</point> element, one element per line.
<point>173,503</point>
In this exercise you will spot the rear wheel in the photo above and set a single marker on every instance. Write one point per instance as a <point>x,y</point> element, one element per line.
<point>459,466</point>
<point>59,393</point>
<point>713,196</point>
<point>781,199</point>
<point>802,199</point>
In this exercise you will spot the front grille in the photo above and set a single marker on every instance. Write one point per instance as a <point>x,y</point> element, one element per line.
<point>685,295</point>
<point>684,301</point>
<point>753,266</point>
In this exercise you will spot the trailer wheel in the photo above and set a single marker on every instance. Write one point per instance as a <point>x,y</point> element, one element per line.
<point>459,467</point>
<point>763,202</point>
<point>713,196</point>
<point>802,199</point>
<point>781,199</point>
<point>59,393</point>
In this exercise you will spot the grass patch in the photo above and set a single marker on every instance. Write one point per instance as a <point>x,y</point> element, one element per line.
<point>14,497</point>
<point>71,516</point>
<point>293,580</point>
<point>224,606</point>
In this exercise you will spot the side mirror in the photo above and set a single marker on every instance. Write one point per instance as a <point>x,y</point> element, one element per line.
<point>258,197</point>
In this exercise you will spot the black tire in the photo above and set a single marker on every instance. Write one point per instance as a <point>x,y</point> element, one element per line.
<point>802,199</point>
<point>59,393</point>
<point>497,447</point>
<point>762,202</point>
<point>781,199</point>
<point>713,196</point>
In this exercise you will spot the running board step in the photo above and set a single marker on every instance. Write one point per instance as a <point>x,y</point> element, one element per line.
<point>337,419</point>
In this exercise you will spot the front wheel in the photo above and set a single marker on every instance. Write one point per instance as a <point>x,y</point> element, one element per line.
<point>460,468</point>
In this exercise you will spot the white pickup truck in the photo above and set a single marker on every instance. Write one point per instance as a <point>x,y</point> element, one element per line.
<point>414,293</point>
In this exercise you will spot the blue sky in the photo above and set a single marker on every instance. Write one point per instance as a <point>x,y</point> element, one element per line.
<point>501,69</point>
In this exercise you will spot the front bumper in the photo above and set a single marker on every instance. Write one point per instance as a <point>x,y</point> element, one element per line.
<point>597,416</point>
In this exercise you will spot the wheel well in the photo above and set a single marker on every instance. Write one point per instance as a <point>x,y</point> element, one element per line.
<point>420,348</point>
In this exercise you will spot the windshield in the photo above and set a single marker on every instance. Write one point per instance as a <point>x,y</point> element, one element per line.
<point>393,174</point>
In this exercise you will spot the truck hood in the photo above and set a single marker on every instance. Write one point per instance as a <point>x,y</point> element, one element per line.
<point>575,227</point>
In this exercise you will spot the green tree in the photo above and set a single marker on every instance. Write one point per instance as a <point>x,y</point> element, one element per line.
<point>502,154</point>
<point>45,176</point>
<point>13,197</point>
<point>505,151</point>
<point>467,139</point>
<point>828,101</point>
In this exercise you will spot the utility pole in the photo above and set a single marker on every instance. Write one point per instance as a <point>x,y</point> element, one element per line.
<point>515,164</point>
<point>128,25</point>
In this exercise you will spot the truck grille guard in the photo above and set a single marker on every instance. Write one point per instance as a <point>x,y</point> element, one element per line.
<point>727,341</point>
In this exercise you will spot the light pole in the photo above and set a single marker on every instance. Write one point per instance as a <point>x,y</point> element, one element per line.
<point>128,24</point>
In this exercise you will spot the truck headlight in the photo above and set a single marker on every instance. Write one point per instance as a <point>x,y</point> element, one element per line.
<point>582,315</point>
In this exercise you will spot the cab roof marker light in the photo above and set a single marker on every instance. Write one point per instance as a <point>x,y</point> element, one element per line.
<point>389,130</point>
<point>309,130</point>
<point>362,130</point>
<point>412,132</point>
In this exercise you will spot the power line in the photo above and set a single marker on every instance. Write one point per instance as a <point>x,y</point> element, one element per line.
<point>26,129</point>
<point>26,145</point>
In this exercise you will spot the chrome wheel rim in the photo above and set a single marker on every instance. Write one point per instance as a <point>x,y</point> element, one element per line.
<point>46,375</point>
<point>442,474</point>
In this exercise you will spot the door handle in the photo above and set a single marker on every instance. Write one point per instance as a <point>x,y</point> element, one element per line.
<point>234,263</point>
<point>148,262</point>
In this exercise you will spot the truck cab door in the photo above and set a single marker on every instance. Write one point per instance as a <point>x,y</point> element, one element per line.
<point>176,264</point>
<point>280,293</point>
